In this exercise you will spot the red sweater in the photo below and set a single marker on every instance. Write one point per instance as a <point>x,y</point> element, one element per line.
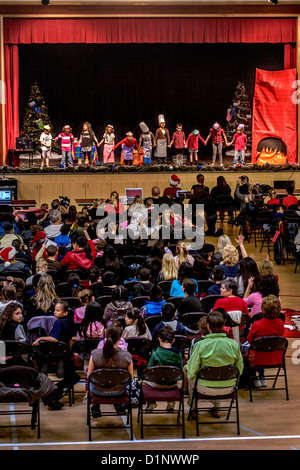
<point>232,303</point>
<point>77,259</point>
<point>128,143</point>
<point>265,327</point>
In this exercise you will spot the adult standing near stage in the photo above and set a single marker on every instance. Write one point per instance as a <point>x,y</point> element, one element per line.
<point>217,134</point>
<point>162,141</point>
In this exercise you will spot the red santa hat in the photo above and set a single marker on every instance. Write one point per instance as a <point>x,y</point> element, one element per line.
<point>39,238</point>
<point>7,254</point>
<point>174,180</point>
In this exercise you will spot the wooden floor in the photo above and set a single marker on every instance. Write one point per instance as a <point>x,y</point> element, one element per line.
<point>270,422</point>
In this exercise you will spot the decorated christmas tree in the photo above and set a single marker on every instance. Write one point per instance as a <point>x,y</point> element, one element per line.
<point>240,112</point>
<point>36,117</point>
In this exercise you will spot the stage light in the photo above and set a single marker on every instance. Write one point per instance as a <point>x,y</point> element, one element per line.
<point>45,2</point>
<point>274,2</point>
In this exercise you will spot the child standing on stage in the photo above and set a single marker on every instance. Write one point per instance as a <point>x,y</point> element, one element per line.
<point>109,142</point>
<point>67,139</point>
<point>146,141</point>
<point>240,145</point>
<point>192,143</point>
<point>128,145</point>
<point>45,140</point>
<point>217,134</point>
<point>162,141</point>
<point>86,140</point>
<point>178,139</point>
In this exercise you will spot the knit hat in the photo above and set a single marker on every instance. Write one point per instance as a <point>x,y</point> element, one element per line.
<point>144,127</point>
<point>174,180</point>
<point>7,254</point>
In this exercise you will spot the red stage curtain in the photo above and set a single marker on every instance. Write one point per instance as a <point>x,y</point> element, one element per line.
<point>289,56</point>
<point>11,71</point>
<point>150,30</point>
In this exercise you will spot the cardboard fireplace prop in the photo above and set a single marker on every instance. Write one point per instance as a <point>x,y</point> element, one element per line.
<point>274,130</point>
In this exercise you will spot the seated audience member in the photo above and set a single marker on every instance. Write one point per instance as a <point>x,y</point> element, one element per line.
<point>53,230</point>
<point>9,264</point>
<point>51,259</point>
<point>156,198</point>
<point>216,259</point>
<point>44,299</point>
<point>182,255</point>
<point>63,239</point>
<point>143,287</point>
<point>200,197</point>
<point>23,254</point>
<point>273,199</point>
<point>289,199</point>
<point>92,324</point>
<point>106,286</point>
<point>185,271</point>
<point>119,305</point>
<point>110,355</point>
<point>200,271</point>
<point>83,254</point>
<point>8,236</point>
<point>168,272</point>
<point>61,331</point>
<point>171,191</point>
<point>112,262</point>
<point>267,267</point>
<point>11,323</point>
<point>214,350</point>
<point>222,188</point>
<point>200,182</point>
<point>190,303</point>
<point>85,296</point>
<point>135,325</point>
<point>247,269</point>
<point>41,267</point>
<point>168,313</point>
<point>230,261</point>
<point>230,301</point>
<point>80,225</point>
<point>255,293</point>
<point>8,294</point>
<point>166,354</point>
<point>155,303</point>
<point>217,276</point>
<point>269,325</point>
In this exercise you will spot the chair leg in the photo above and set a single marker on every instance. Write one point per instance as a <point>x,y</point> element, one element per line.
<point>237,414</point>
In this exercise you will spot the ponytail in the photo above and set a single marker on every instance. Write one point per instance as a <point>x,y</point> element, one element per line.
<point>113,334</point>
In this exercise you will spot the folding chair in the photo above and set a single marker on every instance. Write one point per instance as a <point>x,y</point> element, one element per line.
<point>106,380</point>
<point>217,374</point>
<point>18,380</point>
<point>191,319</point>
<point>208,302</point>
<point>269,344</point>
<point>166,376</point>
<point>140,349</point>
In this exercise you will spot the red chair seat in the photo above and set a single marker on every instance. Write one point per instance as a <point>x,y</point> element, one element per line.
<point>155,394</point>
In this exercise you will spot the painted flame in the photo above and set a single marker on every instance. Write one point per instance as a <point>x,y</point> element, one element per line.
<point>271,156</point>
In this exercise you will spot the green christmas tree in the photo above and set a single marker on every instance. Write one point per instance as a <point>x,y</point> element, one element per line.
<point>36,117</point>
<point>240,112</point>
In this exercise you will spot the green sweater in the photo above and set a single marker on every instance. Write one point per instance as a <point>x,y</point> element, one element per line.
<point>165,357</point>
<point>214,350</point>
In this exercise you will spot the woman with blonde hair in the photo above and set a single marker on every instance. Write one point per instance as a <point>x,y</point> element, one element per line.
<point>230,261</point>
<point>182,255</point>
<point>168,272</point>
<point>223,241</point>
<point>43,302</point>
<point>266,267</point>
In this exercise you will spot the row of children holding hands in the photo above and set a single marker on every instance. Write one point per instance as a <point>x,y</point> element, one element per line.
<point>160,142</point>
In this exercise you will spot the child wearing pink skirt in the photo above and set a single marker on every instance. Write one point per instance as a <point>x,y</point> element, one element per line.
<point>109,142</point>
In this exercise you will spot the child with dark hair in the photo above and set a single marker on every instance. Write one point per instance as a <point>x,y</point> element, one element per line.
<point>144,286</point>
<point>92,324</point>
<point>217,276</point>
<point>63,239</point>
<point>155,303</point>
<point>11,327</point>
<point>135,325</point>
<point>190,303</point>
<point>85,296</point>
<point>119,305</point>
<point>168,313</point>
<point>165,354</point>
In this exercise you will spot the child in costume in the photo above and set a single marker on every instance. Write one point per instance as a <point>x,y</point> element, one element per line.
<point>127,145</point>
<point>109,142</point>
<point>217,134</point>
<point>86,140</point>
<point>67,139</point>
<point>146,141</point>
<point>192,143</point>
<point>240,143</point>
<point>162,141</point>
<point>45,140</point>
<point>179,141</point>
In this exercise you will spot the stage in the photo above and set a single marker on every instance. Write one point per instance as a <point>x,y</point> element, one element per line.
<point>99,181</point>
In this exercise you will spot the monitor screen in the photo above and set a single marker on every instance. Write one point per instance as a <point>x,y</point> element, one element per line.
<point>5,196</point>
<point>130,193</point>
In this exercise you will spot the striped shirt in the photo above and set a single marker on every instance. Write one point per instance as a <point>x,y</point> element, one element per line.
<point>66,141</point>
